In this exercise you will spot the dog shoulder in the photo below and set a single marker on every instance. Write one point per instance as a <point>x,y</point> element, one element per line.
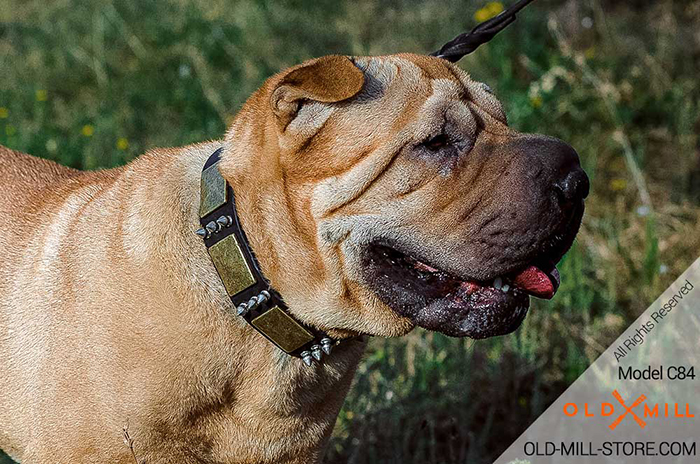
<point>19,170</point>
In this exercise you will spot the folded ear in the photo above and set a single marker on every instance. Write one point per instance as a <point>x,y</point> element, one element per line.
<point>328,80</point>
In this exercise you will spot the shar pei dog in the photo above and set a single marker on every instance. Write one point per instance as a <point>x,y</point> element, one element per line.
<point>148,316</point>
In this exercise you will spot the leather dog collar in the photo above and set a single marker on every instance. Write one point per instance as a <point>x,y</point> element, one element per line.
<point>254,299</point>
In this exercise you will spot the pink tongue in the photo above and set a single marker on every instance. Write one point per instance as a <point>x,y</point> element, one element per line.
<point>537,282</point>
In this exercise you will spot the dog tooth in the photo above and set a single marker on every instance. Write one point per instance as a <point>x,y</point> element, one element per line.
<point>498,282</point>
<point>505,287</point>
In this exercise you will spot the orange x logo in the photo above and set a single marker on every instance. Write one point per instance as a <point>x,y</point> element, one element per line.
<point>628,410</point>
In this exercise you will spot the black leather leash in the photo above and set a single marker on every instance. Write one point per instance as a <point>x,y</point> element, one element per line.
<point>254,299</point>
<point>464,44</point>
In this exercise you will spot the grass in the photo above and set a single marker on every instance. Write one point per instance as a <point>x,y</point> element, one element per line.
<point>94,84</point>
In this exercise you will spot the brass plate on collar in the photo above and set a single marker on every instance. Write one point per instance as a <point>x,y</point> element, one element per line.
<point>279,327</point>
<point>213,190</point>
<point>231,265</point>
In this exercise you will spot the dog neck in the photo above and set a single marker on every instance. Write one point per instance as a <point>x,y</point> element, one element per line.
<point>255,300</point>
<point>234,382</point>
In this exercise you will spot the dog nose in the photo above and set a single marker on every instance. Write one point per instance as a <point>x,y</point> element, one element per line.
<point>569,183</point>
<point>552,169</point>
<point>573,186</point>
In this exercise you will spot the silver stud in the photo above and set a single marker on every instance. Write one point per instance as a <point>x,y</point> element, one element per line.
<point>213,227</point>
<point>202,233</point>
<point>306,357</point>
<point>242,309</point>
<point>252,303</point>
<point>316,352</point>
<point>327,345</point>
<point>225,221</point>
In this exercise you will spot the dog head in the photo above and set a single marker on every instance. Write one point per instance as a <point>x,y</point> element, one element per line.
<point>384,192</point>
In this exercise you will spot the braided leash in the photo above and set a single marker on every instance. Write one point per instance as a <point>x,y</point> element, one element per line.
<point>467,42</point>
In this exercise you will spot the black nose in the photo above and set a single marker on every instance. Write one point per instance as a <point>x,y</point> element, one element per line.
<point>551,169</point>
<point>568,182</point>
<point>572,187</point>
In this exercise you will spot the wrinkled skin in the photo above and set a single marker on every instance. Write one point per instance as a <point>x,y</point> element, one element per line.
<point>442,180</point>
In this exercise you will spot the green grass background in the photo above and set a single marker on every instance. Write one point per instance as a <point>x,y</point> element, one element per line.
<point>92,84</point>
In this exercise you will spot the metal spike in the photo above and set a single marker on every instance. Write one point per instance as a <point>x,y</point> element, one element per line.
<point>242,309</point>
<point>306,357</point>
<point>263,296</point>
<point>213,227</point>
<point>225,221</point>
<point>327,345</point>
<point>202,233</point>
<point>316,352</point>
<point>252,303</point>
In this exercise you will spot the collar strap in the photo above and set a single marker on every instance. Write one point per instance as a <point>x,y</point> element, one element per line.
<point>254,299</point>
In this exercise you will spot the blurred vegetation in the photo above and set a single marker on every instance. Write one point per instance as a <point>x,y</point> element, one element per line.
<point>95,83</point>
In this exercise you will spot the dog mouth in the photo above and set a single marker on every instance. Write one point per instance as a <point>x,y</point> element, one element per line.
<point>438,300</point>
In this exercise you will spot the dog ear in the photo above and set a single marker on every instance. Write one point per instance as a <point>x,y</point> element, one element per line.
<point>327,80</point>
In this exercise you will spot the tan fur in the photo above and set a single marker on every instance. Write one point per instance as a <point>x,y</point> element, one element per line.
<point>112,315</point>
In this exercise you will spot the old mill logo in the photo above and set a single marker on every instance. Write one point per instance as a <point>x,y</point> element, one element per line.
<point>631,410</point>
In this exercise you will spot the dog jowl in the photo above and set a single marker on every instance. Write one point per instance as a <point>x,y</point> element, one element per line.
<point>464,217</point>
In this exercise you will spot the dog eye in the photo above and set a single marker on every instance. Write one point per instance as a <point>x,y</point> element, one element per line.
<point>437,143</point>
